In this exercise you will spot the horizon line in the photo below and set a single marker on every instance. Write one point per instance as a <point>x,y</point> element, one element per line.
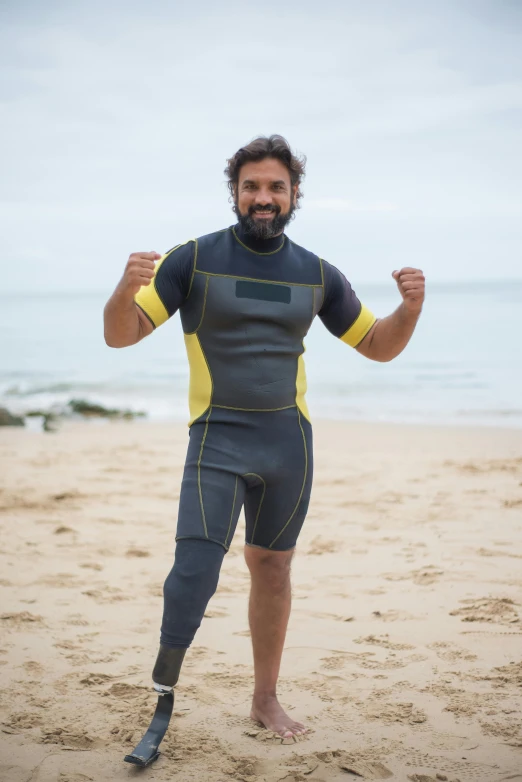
<point>374,283</point>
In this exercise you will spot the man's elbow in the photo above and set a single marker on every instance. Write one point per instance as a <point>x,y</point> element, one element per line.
<point>379,357</point>
<point>113,342</point>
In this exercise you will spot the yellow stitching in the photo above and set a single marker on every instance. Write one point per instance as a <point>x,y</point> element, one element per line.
<point>190,333</point>
<point>194,267</point>
<point>255,279</point>
<point>199,473</point>
<point>262,498</point>
<point>195,537</point>
<point>255,410</point>
<point>231,513</point>
<point>302,487</point>
<point>322,280</point>
<point>253,251</point>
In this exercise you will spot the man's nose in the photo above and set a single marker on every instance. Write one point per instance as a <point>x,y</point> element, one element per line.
<point>264,197</point>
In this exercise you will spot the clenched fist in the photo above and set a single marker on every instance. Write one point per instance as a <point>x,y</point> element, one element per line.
<point>411,285</point>
<point>139,271</point>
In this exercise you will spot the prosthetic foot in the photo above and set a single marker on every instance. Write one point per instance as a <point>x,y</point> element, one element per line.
<point>164,677</point>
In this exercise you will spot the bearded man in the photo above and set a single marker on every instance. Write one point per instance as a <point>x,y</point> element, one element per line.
<point>247,296</point>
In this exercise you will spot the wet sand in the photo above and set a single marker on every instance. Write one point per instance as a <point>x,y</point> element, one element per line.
<point>404,652</point>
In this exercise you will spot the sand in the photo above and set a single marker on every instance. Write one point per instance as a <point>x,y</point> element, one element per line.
<point>404,651</point>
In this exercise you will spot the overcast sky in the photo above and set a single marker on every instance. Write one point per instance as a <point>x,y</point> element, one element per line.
<point>117,119</point>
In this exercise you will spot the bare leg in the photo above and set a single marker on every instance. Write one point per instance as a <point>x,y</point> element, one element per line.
<point>269,610</point>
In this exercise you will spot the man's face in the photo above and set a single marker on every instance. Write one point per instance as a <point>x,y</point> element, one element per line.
<point>264,198</point>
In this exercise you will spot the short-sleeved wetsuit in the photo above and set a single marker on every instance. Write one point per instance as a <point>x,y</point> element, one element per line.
<point>245,308</point>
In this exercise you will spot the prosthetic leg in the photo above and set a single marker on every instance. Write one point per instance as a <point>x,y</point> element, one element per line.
<point>164,678</point>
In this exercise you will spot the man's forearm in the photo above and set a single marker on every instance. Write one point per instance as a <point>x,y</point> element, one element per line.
<point>121,321</point>
<point>391,335</point>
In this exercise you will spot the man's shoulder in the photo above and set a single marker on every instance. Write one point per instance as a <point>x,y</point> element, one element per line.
<point>302,252</point>
<point>214,238</point>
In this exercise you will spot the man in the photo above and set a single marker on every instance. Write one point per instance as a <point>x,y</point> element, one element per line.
<point>247,296</point>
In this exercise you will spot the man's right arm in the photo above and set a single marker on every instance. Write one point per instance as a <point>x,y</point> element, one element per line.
<point>124,323</point>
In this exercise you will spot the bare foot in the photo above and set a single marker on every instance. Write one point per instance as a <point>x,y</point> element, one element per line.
<point>267,710</point>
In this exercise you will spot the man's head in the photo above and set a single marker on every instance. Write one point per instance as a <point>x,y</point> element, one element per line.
<point>264,180</point>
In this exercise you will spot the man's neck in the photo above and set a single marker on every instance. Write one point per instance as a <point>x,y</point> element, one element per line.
<point>259,245</point>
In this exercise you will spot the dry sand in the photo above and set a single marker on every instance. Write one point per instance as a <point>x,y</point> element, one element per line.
<point>404,652</point>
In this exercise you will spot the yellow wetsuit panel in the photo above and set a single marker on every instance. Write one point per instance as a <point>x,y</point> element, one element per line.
<point>148,299</point>
<point>301,388</point>
<point>200,387</point>
<point>359,328</point>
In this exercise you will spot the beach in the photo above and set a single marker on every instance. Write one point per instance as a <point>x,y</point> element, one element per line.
<point>404,650</point>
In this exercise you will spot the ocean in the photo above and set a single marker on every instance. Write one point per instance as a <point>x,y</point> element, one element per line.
<point>463,365</point>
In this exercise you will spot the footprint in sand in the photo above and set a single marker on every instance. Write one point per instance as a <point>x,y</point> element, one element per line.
<point>493,465</point>
<point>516,503</point>
<point>382,641</point>
<point>20,619</point>
<point>451,652</point>
<point>33,667</point>
<point>487,552</point>
<point>369,661</point>
<point>425,576</point>
<point>508,729</point>
<point>60,580</point>
<point>95,679</point>
<point>106,594</point>
<point>21,721</point>
<point>268,736</point>
<point>137,552</point>
<point>388,713</point>
<point>500,610</point>
<point>504,676</point>
<point>324,615</point>
<point>319,546</point>
<point>76,620</point>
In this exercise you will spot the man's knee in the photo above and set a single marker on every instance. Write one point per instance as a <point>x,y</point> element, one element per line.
<point>188,588</point>
<point>272,567</point>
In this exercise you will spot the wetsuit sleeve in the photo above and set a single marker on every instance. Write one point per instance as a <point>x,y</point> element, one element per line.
<point>342,313</point>
<point>170,286</point>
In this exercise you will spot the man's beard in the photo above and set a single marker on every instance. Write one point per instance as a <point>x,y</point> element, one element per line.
<point>264,229</point>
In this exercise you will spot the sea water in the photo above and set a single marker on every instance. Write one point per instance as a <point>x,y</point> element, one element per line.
<point>462,366</point>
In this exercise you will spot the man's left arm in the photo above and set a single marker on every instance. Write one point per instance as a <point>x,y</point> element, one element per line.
<point>389,336</point>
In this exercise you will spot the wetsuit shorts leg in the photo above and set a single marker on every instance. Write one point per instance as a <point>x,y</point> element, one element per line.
<point>260,460</point>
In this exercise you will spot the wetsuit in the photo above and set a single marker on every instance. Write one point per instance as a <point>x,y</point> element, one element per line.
<point>245,308</point>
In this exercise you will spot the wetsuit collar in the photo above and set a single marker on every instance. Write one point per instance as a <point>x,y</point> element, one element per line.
<point>262,246</point>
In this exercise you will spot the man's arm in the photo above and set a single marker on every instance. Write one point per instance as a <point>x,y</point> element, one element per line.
<point>124,322</point>
<point>150,292</point>
<point>389,336</point>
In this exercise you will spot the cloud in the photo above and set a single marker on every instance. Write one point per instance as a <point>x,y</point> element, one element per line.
<point>117,133</point>
<point>355,207</point>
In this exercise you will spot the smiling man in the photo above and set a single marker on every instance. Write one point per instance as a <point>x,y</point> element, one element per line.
<point>247,296</point>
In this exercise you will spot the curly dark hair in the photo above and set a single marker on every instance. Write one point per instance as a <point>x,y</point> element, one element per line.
<point>260,148</point>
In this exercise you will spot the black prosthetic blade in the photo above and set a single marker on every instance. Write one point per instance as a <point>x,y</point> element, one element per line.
<point>147,750</point>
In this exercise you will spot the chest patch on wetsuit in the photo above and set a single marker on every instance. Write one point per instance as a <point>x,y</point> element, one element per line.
<point>263,291</point>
